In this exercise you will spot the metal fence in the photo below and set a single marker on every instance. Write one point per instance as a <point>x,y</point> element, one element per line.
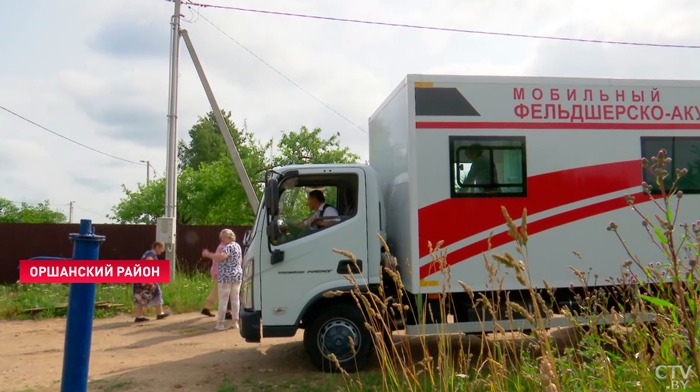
<point>20,241</point>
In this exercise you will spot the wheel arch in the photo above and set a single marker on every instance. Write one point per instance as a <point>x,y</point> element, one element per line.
<point>319,301</point>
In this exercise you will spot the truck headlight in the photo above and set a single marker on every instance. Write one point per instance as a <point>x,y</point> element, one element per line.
<point>247,285</point>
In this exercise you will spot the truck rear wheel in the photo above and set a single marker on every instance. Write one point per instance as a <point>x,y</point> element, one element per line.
<point>329,333</point>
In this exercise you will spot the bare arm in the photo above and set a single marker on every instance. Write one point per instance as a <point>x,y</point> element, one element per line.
<point>328,218</point>
<point>324,223</point>
<point>214,256</point>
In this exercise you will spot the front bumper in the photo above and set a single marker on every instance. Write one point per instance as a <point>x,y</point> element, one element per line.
<point>250,325</point>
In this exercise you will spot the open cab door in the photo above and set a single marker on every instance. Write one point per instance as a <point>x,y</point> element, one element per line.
<point>300,264</point>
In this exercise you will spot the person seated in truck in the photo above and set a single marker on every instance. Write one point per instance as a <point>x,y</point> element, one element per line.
<point>320,218</point>
<point>480,171</point>
<point>317,203</point>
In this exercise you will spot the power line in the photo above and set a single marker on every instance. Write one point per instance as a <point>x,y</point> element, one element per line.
<point>154,170</point>
<point>54,205</point>
<point>86,210</point>
<point>274,69</point>
<point>41,202</point>
<point>410,26</point>
<point>67,138</point>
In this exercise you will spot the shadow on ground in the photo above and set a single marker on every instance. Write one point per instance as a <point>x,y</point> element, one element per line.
<point>257,368</point>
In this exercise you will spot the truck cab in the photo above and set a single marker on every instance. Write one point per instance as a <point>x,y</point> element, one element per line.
<point>288,265</point>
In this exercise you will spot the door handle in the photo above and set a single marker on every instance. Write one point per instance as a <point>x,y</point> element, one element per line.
<point>344,264</point>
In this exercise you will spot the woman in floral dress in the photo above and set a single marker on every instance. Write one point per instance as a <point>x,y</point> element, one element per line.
<point>149,294</point>
<point>230,276</point>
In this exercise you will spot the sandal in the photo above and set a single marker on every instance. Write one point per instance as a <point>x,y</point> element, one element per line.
<point>140,319</point>
<point>207,312</point>
<point>229,316</point>
<point>162,316</point>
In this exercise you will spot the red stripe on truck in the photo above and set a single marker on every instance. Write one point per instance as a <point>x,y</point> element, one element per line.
<point>453,220</point>
<point>535,227</point>
<point>551,125</point>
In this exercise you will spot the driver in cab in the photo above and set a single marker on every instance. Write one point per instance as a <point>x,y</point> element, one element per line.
<point>317,203</point>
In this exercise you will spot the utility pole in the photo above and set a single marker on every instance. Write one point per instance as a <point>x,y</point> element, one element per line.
<point>148,178</point>
<point>148,171</point>
<point>70,213</point>
<point>168,226</point>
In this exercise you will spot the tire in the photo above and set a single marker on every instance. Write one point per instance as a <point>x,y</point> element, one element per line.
<point>330,330</point>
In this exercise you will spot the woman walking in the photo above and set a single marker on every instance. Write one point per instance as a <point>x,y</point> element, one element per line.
<point>229,274</point>
<point>149,294</point>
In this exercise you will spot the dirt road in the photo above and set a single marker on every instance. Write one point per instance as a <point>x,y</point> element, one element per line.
<point>182,352</point>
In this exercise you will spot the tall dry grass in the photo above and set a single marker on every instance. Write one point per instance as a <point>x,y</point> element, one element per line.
<point>621,356</point>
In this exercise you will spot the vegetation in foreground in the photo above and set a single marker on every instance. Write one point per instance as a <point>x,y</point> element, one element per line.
<point>619,357</point>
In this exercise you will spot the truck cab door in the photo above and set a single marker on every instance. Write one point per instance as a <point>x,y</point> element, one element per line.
<point>303,265</point>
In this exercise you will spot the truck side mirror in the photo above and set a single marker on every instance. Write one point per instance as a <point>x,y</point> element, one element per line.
<point>274,234</point>
<point>273,231</point>
<point>272,197</point>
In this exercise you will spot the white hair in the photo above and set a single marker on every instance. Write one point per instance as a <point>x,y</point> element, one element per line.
<point>227,233</point>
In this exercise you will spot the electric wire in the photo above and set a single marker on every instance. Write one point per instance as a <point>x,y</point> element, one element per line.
<point>154,171</point>
<point>86,210</point>
<point>40,202</point>
<point>446,29</point>
<point>277,71</point>
<point>69,139</point>
<point>75,205</point>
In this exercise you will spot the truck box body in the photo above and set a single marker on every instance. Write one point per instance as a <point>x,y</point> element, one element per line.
<point>567,150</point>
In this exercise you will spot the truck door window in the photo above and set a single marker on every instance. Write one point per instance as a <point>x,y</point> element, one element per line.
<point>339,190</point>
<point>294,210</point>
<point>487,166</point>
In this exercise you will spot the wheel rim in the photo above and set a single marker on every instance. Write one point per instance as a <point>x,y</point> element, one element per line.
<point>333,338</point>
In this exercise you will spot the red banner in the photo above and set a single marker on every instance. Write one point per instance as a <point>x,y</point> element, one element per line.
<point>94,271</point>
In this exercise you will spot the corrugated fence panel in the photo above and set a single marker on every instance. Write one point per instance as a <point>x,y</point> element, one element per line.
<point>20,241</point>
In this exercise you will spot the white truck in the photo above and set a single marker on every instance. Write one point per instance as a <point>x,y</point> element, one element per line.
<point>446,152</point>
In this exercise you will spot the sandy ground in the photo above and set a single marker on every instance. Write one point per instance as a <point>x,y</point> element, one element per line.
<point>182,352</point>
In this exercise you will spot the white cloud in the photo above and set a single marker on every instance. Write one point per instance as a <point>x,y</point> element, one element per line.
<point>97,72</point>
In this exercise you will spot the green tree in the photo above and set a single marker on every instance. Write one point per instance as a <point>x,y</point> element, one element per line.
<point>211,195</point>
<point>207,145</point>
<point>308,147</point>
<point>142,205</point>
<point>209,188</point>
<point>40,213</point>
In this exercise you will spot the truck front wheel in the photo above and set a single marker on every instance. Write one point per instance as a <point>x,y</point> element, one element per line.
<point>329,333</point>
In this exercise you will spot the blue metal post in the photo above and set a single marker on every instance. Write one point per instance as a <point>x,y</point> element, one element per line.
<point>81,308</point>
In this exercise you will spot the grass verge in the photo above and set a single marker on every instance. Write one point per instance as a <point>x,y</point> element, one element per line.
<point>186,293</point>
<point>310,383</point>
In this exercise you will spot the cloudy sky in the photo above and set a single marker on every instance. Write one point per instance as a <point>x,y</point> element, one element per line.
<point>96,71</point>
